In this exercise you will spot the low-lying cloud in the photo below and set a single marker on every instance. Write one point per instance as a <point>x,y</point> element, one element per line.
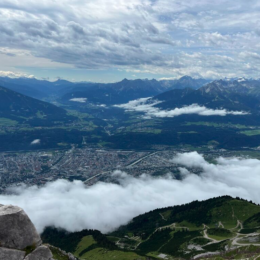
<point>36,141</point>
<point>80,100</point>
<point>143,105</point>
<point>12,74</point>
<point>106,206</point>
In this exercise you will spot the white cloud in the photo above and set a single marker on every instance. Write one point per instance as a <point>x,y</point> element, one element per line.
<point>11,74</point>
<point>250,55</point>
<point>106,206</point>
<point>145,35</point>
<point>168,78</point>
<point>80,100</point>
<point>215,39</point>
<point>36,141</point>
<point>148,107</point>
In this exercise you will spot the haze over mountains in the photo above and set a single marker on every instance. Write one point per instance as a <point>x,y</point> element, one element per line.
<point>35,88</point>
<point>120,92</point>
<point>228,92</point>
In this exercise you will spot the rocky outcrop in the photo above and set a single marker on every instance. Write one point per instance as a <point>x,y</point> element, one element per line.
<point>71,257</point>
<point>11,254</point>
<point>19,239</point>
<point>40,253</point>
<point>60,252</point>
<point>17,231</point>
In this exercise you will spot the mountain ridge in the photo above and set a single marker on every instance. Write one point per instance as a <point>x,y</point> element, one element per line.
<point>126,90</point>
<point>215,95</point>
<point>16,106</point>
<point>219,225</point>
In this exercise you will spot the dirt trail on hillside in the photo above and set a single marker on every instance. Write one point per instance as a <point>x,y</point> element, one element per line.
<point>205,235</point>
<point>220,225</point>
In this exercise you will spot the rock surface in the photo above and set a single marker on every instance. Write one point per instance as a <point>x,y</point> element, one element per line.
<point>40,253</point>
<point>16,229</point>
<point>19,239</point>
<point>68,256</point>
<point>71,256</point>
<point>11,254</point>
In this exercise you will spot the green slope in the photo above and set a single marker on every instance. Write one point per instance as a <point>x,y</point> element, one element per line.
<point>213,226</point>
<point>196,228</point>
<point>23,109</point>
<point>87,244</point>
<point>193,215</point>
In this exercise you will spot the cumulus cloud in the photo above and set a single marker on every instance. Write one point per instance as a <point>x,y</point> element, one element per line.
<point>106,206</point>
<point>148,107</point>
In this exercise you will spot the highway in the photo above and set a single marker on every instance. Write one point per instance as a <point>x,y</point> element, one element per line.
<point>130,165</point>
<point>93,177</point>
<point>139,160</point>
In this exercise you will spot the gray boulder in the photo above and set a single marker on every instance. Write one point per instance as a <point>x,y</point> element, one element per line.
<point>71,256</point>
<point>17,230</point>
<point>11,254</point>
<point>40,253</point>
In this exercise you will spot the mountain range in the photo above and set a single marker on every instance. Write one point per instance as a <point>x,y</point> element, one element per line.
<point>110,93</point>
<point>32,87</point>
<point>233,95</point>
<point>225,90</point>
<point>77,111</point>
<point>126,90</point>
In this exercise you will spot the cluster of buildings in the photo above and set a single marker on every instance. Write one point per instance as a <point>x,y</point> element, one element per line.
<point>86,164</point>
<point>37,168</point>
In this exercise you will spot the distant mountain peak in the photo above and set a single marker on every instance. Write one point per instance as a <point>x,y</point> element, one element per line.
<point>125,80</point>
<point>186,78</point>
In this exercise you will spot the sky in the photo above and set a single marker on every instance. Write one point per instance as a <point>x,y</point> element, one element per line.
<point>108,40</point>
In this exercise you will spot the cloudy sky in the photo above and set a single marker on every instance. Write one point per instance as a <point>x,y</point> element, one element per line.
<point>107,40</point>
